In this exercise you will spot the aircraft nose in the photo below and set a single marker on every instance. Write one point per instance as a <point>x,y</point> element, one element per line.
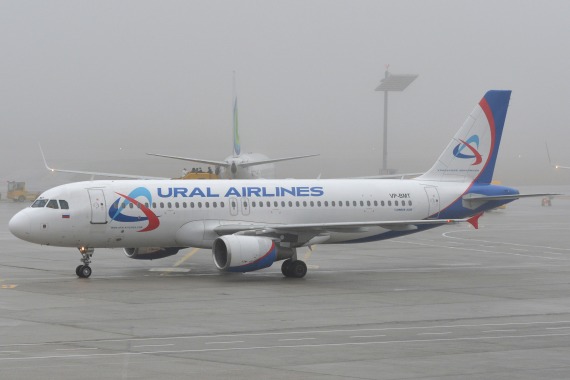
<point>20,225</point>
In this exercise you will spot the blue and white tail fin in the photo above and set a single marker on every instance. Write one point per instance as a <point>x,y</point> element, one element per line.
<point>472,153</point>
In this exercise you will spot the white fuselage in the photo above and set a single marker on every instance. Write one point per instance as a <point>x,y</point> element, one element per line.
<point>185,213</point>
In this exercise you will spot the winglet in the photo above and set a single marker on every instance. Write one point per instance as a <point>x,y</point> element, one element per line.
<point>44,157</point>
<point>474,220</point>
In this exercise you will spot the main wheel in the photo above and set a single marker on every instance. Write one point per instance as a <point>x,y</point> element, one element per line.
<point>85,271</point>
<point>297,269</point>
<point>78,270</point>
<point>285,267</point>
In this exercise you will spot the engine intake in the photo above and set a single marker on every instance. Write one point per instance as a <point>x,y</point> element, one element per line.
<point>237,253</point>
<point>150,253</point>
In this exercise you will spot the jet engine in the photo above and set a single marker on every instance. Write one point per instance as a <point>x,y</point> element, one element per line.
<point>238,253</point>
<point>150,253</point>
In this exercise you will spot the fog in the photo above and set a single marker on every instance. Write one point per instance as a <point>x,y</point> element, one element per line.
<point>100,83</point>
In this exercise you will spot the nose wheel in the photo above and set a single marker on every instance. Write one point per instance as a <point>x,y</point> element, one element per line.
<point>84,270</point>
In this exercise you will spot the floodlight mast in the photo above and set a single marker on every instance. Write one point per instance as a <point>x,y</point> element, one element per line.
<point>391,82</point>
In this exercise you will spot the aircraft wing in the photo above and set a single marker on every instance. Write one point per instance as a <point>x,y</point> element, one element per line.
<point>390,176</point>
<point>92,174</point>
<point>272,160</point>
<point>304,233</point>
<point>198,160</point>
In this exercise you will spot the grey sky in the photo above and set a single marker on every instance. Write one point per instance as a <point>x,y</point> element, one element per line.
<point>99,83</point>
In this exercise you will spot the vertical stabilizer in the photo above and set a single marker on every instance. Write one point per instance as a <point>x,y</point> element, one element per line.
<point>472,153</point>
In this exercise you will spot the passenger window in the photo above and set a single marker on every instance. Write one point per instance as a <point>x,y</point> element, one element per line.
<point>184,205</point>
<point>395,203</point>
<point>297,204</point>
<point>131,205</point>
<point>260,203</point>
<point>290,204</point>
<point>282,203</point>
<point>169,205</point>
<point>304,203</point>
<point>354,203</point>
<point>221,204</point>
<point>52,203</point>
<point>161,204</point>
<point>409,203</point>
<point>312,204</point>
<point>275,204</point>
<point>177,205</point>
<point>199,204</point>
<point>63,205</point>
<point>340,203</point>
<point>332,203</point>
<point>389,203</point>
<point>361,203</point>
<point>215,204</point>
<point>326,204</point>
<point>153,204</point>
<point>207,204</point>
<point>375,203</point>
<point>368,203</point>
<point>319,203</point>
<point>382,203</point>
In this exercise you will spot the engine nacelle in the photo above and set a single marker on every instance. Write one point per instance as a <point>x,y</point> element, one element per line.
<point>238,253</point>
<point>150,253</point>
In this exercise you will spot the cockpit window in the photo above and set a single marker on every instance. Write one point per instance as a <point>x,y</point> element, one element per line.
<point>40,203</point>
<point>52,203</point>
<point>63,205</point>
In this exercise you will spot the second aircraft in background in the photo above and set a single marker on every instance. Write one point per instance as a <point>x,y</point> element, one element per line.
<point>237,166</point>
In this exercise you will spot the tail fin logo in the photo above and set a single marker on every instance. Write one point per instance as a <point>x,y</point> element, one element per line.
<point>473,140</point>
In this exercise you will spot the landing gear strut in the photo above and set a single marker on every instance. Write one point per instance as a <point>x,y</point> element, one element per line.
<point>84,270</point>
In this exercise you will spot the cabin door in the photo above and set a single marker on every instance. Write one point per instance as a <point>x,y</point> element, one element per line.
<point>433,201</point>
<point>98,206</point>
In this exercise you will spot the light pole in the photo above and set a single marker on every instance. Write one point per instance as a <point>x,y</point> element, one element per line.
<point>391,82</point>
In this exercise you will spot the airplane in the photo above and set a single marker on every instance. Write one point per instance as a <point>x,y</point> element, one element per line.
<point>237,166</point>
<point>249,225</point>
<point>240,165</point>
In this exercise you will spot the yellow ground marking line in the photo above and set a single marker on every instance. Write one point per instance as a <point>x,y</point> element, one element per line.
<point>183,259</point>
<point>186,257</point>
<point>10,286</point>
<point>309,253</point>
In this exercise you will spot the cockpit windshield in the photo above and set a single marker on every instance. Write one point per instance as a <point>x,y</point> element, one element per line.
<point>51,203</point>
<point>40,203</point>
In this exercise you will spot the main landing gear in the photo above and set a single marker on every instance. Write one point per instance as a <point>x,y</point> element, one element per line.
<point>294,268</point>
<point>84,270</point>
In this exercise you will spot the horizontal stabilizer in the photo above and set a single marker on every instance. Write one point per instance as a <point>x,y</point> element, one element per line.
<point>473,201</point>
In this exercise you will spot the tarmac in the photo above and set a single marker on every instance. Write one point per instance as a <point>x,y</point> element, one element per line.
<point>449,303</point>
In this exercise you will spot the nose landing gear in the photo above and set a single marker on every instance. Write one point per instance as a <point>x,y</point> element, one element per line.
<point>84,270</point>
